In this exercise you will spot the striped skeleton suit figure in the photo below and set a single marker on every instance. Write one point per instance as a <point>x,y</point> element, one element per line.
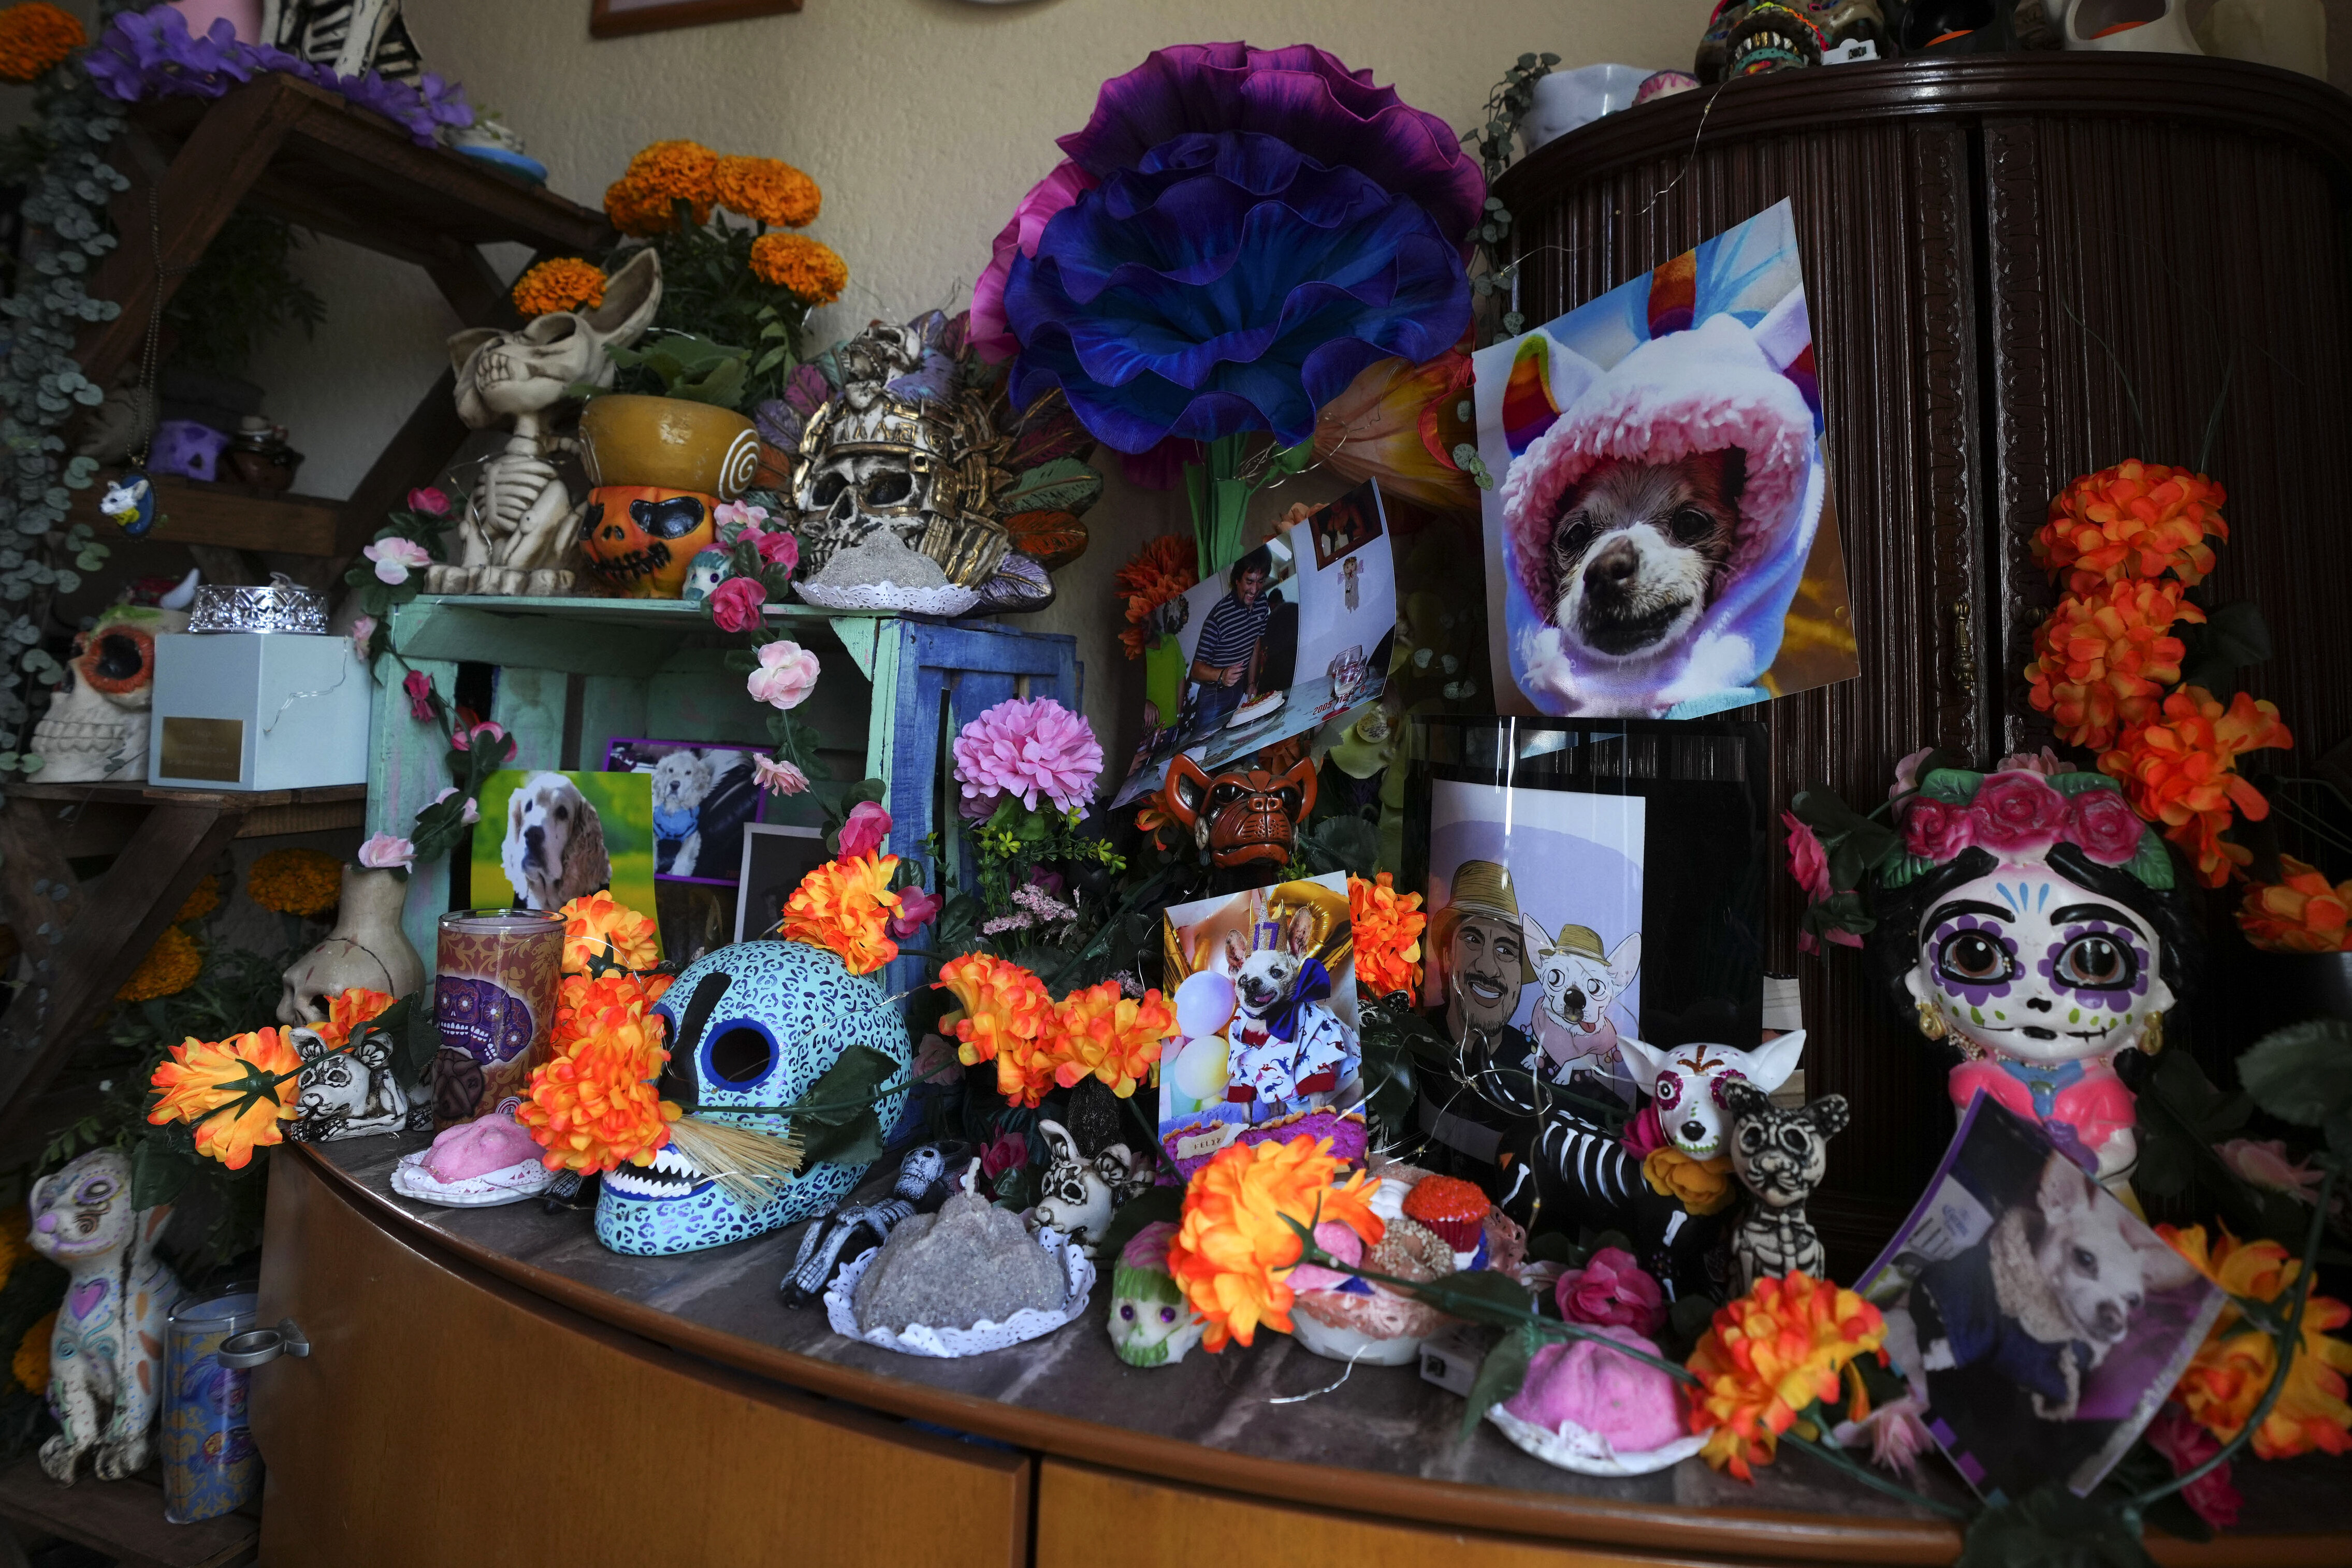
<point>350,36</point>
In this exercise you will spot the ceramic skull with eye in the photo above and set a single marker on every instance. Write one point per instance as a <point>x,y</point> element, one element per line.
<point>1151,1324</point>
<point>2035,922</point>
<point>96,727</point>
<point>1241,816</point>
<point>750,1029</point>
<point>639,540</point>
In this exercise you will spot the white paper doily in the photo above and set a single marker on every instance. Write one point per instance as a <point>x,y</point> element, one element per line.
<point>410,1179</point>
<point>1572,1447</point>
<point>949,1343</point>
<point>948,600</point>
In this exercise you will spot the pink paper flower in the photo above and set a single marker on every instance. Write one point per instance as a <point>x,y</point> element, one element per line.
<point>779,777</point>
<point>430,499</point>
<point>396,558</point>
<point>2185,1445</point>
<point>1007,1151</point>
<point>936,1061</point>
<point>735,605</point>
<point>419,687</point>
<point>463,739</point>
<point>1809,863</point>
<point>917,909</point>
<point>866,831</point>
<point>989,334</point>
<point>1027,749</point>
<point>1643,1135</point>
<point>1906,772</point>
<point>2264,1165</point>
<point>2102,824</point>
<point>736,514</point>
<point>1897,1436</point>
<point>1612,1288</point>
<point>473,811</point>
<point>362,633</point>
<point>2045,762</point>
<point>1934,831</point>
<point>2017,813</point>
<point>787,674</point>
<point>385,853</point>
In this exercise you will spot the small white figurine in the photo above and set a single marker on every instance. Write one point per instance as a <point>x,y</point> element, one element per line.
<point>1077,1195</point>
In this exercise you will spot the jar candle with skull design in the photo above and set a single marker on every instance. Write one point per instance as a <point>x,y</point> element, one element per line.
<point>496,978</point>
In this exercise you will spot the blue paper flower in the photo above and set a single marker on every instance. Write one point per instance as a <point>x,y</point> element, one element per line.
<point>1228,283</point>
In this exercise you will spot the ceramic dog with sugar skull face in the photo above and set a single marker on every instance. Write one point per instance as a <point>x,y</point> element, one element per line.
<point>1685,1082</point>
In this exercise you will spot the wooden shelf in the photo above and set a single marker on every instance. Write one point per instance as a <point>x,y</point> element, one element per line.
<point>124,1519</point>
<point>228,516</point>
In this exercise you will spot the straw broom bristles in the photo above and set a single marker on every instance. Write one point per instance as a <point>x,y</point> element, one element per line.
<point>752,1166</point>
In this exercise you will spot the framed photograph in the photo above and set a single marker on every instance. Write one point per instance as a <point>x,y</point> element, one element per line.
<point>619,18</point>
<point>547,837</point>
<point>774,859</point>
<point>2048,1320</point>
<point>703,796</point>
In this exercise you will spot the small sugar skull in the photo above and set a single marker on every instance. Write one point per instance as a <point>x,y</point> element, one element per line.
<point>702,574</point>
<point>1151,1324</point>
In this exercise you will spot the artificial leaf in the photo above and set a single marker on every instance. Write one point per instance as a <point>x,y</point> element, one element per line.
<point>1052,434</point>
<point>1480,1295</point>
<point>2302,1073</point>
<point>159,1173</point>
<point>856,1142</point>
<point>1500,1375</point>
<point>1064,484</point>
<point>2051,1528</point>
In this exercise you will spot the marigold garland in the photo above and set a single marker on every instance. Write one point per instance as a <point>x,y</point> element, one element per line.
<point>1768,1357</point>
<point>599,931</point>
<point>845,906</point>
<point>295,882</point>
<point>2300,912</point>
<point>170,967</point>
<point>594,1107</point>
<point>30,1364</point>
<point>766,190</point>
<point>201,899</point>
<point>1004,1010</point>
<point>1386,927</point>
<point>232,1092</point>
<point>2134,520</point>
<point>808,267</point>
<point>2104,659</point>
<point>1232,1247</point>
<point>35,39</point>
<point>1165,568</point>
<point>2234,1368</point>
<point>2179,768</point>
<point>563,283</point>
<point>585,1005</point>
<point>1096,1033</point>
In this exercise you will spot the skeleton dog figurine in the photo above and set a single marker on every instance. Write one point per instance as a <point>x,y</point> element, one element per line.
<point>921,1187</point>
<point>1077,1194</point>
<point>1780,1156</point>
<point>106,1355</point>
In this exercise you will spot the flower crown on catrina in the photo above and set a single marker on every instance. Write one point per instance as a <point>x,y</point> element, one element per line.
<point>1834,850</point>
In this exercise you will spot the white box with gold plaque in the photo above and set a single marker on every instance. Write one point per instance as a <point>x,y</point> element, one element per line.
<point>258,711</point>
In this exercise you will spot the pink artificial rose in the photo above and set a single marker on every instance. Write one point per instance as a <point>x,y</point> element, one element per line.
<point>781,550</point>
<point>1906,772</point>
<point>2266,1164</point>
<point>396,558</point>
<point>735,604</point>
<point>2106,827</point>
<point>736,515</point>
<point>917,909</point>
<point>867,830</point>
<point>2045,762</point>
<point>385,853</point>
<point>936,1061</point>
<point>419,687</point>
<point>1342,1243</point>
<point>1612,1288</point>
<point>463,739</point>
<point>473,811</point>
<point>991,334</point>
<point>362,633</point>
<point>430,499</point>
<point>779,777</point>
<point>1809,863</point>
<point>2016,813</point>
<point>787,674</point>
<point>1935,831</point>
<point>2185,1445</point>
<point>1587,1384</point>
<point>1010,1151</point>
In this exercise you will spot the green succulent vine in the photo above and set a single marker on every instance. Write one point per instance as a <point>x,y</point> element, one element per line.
<point>42,386</point>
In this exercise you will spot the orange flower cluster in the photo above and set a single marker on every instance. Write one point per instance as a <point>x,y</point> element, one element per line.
<point>641,201</point>
<point>587,1005</point>
<point>1005,1011</point>
<point>845,906</point>
<point>1768,1357</point>
<point>563,283</point>
<point>1097,1033</point>
<point>1161,570</point>
<point>1387,926</point>
<point>232,1092</point>
<point>766,190</point>
<point>809,268</point>
<point>346,1011</point>
<point>304,882</point>
<point>201,900</point>
<point>2179,768</point>
<point>2135,520</point>
<point>594,1107</point>
<point>2234,1368</point>
<point>1233,1246</point>
<point>35,39</point>
<point>599,932</point>
<point>2300,914</point>
<point>2104,659</point>
<point>170,967</point>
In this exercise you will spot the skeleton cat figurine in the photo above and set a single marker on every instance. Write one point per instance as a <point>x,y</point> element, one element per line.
<point>521,519</point>
<point>1780,1155</point>
<point>106,1355</point>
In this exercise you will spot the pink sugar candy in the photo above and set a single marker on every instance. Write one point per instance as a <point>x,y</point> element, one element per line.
<point>476,1148</point>
<point>1635,1407</point>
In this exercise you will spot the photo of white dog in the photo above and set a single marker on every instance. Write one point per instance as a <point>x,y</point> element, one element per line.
<point>1581,985</point>
<point>554,850</point>
<point>704,796</point>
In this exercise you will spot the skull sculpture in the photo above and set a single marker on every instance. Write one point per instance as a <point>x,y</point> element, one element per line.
<point>1242,818</point>
<point>520,520</point>
<point>96,729</point>
<point>750,1028</point>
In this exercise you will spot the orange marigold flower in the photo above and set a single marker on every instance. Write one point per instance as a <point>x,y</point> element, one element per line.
<point>1004,1013</point>
<point>585,1005</point>
<point>637,210</point>
<point>564,283</point>
<point>304,882</point>
<point>1163,569</point>
<point>809,268</point>
<point>2102,660</point>
<point>2179,768</point>
<point>35,39</point>
<point>598,930</point>
<point>1768,1357</point>
<point>766,190</point>
<point>1097,1033</point>
<point>594,1107</point>
<point>2234,1368</point>
<point>170,967</point>
<point>1386,927</point>
<point>2135,520</point>
<point>235,1091</point>
<point>677,171</point>
<point>844,906</point>
<point>201,900</point>
<point>346,1011</point>
<point>1233,1248</point>
<point>2298,913</point>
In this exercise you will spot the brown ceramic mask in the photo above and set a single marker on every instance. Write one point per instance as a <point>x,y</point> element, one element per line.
<point>1248,818</point>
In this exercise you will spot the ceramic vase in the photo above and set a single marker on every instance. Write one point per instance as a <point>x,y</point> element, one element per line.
<point>367,950</point>
<point>2159,26</point>
<point>668,442</point>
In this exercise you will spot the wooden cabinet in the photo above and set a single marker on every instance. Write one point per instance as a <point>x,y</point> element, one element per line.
<point>2020,268</point>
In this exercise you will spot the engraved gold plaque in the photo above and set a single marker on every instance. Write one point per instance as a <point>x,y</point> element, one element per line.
<point>204,749</point>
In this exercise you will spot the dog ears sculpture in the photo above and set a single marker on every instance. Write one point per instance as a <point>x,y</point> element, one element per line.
<point>1241,817</point>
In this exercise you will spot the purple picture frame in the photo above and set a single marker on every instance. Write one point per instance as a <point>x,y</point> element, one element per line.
<point>641,753</point>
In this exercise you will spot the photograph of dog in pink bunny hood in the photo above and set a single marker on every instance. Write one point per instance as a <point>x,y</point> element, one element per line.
<point>1661,485</point>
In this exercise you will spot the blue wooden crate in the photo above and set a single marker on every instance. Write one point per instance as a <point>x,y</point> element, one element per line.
<point>574,674</point>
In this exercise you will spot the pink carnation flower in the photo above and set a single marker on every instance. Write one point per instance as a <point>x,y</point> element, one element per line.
<point>1026,750</point>
<point>1809,863</point>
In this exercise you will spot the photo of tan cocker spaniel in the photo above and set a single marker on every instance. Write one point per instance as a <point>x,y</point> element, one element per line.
<point>555,848</point>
